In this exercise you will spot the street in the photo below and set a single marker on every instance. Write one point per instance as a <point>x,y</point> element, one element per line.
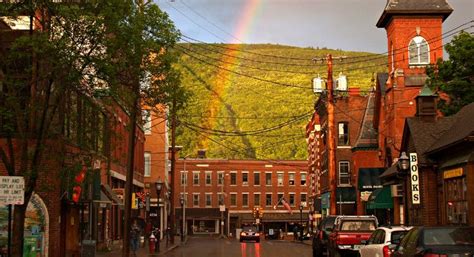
<point>206,246</point>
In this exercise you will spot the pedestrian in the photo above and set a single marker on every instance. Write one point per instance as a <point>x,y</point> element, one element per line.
<point>168,235</point>
<point>134,238</point>
<point>295,232</point>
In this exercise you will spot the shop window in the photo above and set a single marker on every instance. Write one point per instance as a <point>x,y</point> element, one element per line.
<point>456,200</point>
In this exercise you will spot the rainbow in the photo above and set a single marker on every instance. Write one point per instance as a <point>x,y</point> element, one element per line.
<point>249,12</point>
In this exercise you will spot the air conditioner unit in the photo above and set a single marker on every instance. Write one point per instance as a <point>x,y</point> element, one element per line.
<point>397,190</point>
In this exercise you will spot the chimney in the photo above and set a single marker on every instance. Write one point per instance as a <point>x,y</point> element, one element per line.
<point>201,154</point>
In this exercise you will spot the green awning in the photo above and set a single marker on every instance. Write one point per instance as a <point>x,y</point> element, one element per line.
<point>380,199</point>
<point>368,179</point>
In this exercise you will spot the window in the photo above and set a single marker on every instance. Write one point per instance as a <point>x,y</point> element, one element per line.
<point>303,198</point>
<point>268,178</point>
<point>268,199</point>
<point>208,200</point>
<point>292,199</point>
<point>184,178</point>
<point>280,178</point>
<point>303,178</point>
<point>245,178</point>
<point>220,178</point>
<point>233,178</point>
<point>233,199</point>
<point>208,178</point>
<point>343,134</point>
<point>146,117</point>
<point>245,199</point>
<point>418,51</point>
<point>344,174</point>
<point>220,197</point>
<point>256,199</point>
<point>196,178</point>
<point>184,196</point>
<point>456,199</point>
<point>280,196</point>
<point>196,200</point>
<point>147,157</point>
<point>291,178</point>
<point>256,178</point>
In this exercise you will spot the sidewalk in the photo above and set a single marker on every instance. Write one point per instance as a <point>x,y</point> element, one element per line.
<point>142,251</point>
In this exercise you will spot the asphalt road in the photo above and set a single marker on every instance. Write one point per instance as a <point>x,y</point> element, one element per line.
<point>213,247</point>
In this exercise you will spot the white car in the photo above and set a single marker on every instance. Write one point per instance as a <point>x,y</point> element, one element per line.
<point>380,240</point>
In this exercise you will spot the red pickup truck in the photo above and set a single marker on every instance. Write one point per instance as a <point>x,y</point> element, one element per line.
<point>348,233</point>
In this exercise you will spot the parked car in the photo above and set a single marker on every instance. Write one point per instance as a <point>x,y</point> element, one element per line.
<point>321,235</point>
<point>250,233</point>
<point>383,241</point>
<point>437,242</point>
<point>348,233</point>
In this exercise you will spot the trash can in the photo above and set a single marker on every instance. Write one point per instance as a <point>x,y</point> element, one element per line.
<point>88,248</point>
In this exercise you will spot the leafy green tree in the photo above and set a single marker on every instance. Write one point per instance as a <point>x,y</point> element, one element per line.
<point>455,76</point>
<point>108,45</point>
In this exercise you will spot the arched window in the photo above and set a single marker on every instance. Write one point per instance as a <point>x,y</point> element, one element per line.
<point>418,51</point>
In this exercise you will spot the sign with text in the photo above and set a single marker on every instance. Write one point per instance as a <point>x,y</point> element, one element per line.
<point>415,179</point>
<point>12,190</point>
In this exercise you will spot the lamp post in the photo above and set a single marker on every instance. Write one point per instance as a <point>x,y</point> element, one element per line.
<point>159,187</point>
<point>181,201</point>
<point>403,167</point>
<point>301,222</point>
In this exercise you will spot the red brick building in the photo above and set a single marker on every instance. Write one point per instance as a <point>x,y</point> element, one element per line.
<point>242,185</point>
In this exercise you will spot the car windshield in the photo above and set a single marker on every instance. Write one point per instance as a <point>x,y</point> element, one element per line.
<point>249,228</point>
<point>396,236</point>
<point>351,225</point>
<point>449,236</point>
<point>328,223</point>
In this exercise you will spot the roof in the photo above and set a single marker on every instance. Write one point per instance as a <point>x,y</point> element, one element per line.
<point>367,134</point>
<point>426,133</point>
<point>462,127</point>
<point>414,7</point>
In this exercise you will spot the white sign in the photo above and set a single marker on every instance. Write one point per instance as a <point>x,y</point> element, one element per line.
<point>415,179</point>
<point>12,190</point>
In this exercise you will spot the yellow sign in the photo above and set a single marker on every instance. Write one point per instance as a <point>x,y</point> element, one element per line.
<point>134,202</point>
<point>458,172</point>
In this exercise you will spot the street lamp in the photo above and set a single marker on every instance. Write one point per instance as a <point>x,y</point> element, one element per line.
<point>159,187</point>
<point>181,201</point>
<point>301,222</point>
<point>403,162</point>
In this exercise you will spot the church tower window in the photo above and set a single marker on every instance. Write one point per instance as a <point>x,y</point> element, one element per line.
<point>418,51</point>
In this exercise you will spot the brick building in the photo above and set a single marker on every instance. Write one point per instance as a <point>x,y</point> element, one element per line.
<point>242,185</point>
<point>83,170</point>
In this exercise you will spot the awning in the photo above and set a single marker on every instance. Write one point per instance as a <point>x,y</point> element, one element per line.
<point>381,199</point>
<point>346,195</point>
<point>369,178</point>
<point>112,195</point>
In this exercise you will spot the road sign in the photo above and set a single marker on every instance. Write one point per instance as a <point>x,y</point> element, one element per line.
<point>12,190</point>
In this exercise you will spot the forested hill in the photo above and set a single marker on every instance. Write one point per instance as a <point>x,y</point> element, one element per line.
<point>253,101</point>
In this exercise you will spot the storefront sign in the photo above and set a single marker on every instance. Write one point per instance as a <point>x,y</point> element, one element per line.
<point>364,195</point>
<point>12,190</point>
<point>458,172</point>
<point>415,179</point>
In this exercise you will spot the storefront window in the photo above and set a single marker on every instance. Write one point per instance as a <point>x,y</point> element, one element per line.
<point>456,200</point>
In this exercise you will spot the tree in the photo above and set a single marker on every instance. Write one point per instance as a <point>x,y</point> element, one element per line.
<point>108,45</point>
<point>455,76</point>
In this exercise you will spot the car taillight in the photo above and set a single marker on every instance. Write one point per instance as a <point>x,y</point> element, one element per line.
<point>434,255</point>
<point>386,251</point>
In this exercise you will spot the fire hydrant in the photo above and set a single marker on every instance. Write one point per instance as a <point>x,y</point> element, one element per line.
<point>151,243</point>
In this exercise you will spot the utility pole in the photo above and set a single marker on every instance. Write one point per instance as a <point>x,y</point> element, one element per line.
<point>173,169</point>
<point>331,139</point>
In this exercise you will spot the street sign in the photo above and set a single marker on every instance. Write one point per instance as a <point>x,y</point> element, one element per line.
<point>12,190</point>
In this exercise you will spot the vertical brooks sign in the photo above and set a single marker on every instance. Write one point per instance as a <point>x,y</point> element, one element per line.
<point>415,179</point>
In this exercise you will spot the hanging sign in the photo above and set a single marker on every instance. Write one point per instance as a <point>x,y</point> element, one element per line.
<point>12,190</point>
<point>415,179</point>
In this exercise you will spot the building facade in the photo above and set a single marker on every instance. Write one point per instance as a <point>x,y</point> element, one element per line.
<point>239,186</point>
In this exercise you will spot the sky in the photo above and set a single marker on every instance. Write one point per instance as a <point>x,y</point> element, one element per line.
<point>336,24</point>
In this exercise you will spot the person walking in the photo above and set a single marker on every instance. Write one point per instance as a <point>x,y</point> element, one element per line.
<point>168,235</point>
<point>134,238</point>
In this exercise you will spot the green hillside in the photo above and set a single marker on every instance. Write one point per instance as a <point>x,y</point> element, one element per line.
<point>236,112</point>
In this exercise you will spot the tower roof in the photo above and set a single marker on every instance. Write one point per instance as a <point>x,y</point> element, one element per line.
<point>414,7</point>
